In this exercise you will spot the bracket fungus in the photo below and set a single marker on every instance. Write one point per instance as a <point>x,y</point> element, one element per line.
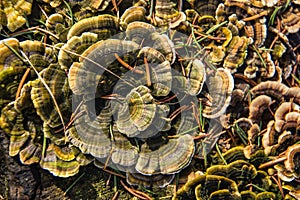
<point>95,61</point>
<point>221,95</point>
<point>257,30</point>
<point>34,115</point>
<point>258,106</point>
<point>124,154</point>
<point>14,11</point>
<point>236,52</point>
<point>291,21</point>
<point>62,161</point>
<point>141,87</point>
<point>91,4</point>
<point>149,181</point>
<point>139,116</point>
<point>75,44</point>
<point>134,112</point>
<point>168,159</point>
<point>289,170</point>
<point>58,26</point>
<point>14,69</point>
<point>206,7</point>
<point>284,115</point>
<point>208,186</point>
<point>104,26</point>
<point>91,133</point>
<point>140,32</point>
<point>292,161</point>
<point>133,14</point>
<point>271,88</point>
<point>166,13</point>
<point>56,80</point>
<point>12,123</point>
<point>196,76</point>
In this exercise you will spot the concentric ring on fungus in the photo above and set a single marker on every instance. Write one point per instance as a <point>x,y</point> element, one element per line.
<point>14,13</point>
<point>132,86</point>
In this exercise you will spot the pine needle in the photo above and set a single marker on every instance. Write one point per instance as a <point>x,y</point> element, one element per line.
<point>47,88</point>
<point>220,154</point>
<point>70,12</point>
<point>273,15</point>
<point>90,60</point>
<point>72,185</point>
<point>260,57</point>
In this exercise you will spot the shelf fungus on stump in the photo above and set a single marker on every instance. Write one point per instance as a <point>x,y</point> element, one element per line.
<point>77,44</point>
<point>139,116</point>
<point>104,26</point>
<point>166,13</point>
<point>33,121</point>
<point>133,14</point>
<point>288,171</point>
<point>129,127</point>
<point>208,186</point>
<point>14,11</point>
<point>138,93</point>
<point>220,87</point>
<point>96,65</point>
<point>90,133</point>
<point>63,161</point>
<point>13,68</point>
<point>237,52</point>
<point>170,158</point>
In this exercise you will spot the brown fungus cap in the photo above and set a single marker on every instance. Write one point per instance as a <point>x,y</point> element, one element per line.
<point>281,112</point>
<point>208,185</point>
<point>160,71</point>
<point>85,76</point>
<point>237,51</point>
<point>6,53</point>
<point>167,159</point>
<point>220,87</point>
<point>196,76</point>
<point>132,15</point>
<point>292,161</point>
<point>57,83</point>
<point>104,26</point>
<point>91,133</point>
<point>258,106</point>
<point>61,161</point>
<point>14,13</point>
<point>140,32</point>
<point>270,88</point>
<point>77,44</point>
<point>139,113</point>
<point>158,180</point>
<point>124,153</point>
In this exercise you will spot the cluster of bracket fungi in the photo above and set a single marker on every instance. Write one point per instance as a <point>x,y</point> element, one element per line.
<point>155,88</point>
